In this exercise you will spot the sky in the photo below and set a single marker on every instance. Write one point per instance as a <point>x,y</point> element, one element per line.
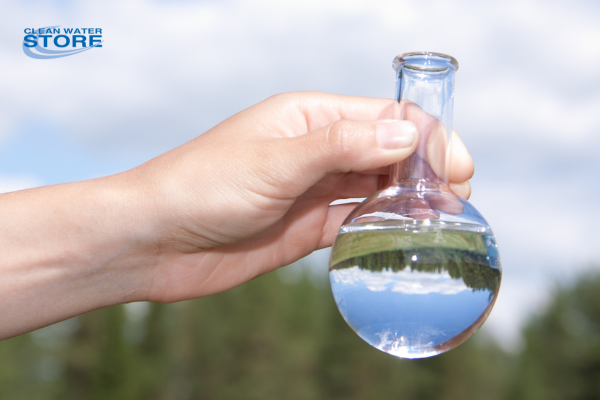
<point>527,102</point>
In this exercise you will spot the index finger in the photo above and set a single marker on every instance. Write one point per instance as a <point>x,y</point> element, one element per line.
<point>308,111</point>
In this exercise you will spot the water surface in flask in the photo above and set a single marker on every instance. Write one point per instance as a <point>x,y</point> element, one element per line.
<point>414,291</point>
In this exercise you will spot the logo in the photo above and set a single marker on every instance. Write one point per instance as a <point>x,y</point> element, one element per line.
<point>54,42</point>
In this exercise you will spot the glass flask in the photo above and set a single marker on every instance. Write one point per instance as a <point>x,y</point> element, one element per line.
<point>415,269</point>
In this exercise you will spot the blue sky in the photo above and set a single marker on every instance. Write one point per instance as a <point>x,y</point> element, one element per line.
<point>527,101</point>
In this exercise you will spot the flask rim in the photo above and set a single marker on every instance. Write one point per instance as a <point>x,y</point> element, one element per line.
<point>425,61</point>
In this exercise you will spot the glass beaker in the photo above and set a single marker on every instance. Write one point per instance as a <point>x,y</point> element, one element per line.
<point>415,269</point>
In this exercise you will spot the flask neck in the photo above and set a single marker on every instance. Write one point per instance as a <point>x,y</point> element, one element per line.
<point>415,173</point>
<point>425,96</point>
<point>400,180</point>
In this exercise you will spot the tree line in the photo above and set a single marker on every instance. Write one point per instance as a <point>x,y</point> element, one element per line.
<point>269,340</point>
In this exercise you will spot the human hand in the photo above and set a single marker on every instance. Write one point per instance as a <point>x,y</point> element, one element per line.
<point>253,193</point>
<point>248,196</point>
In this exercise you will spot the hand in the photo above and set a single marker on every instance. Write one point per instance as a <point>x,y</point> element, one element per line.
<point>253,193</point>
<point>248,196</point>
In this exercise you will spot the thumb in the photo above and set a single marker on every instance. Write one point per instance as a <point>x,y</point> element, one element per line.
<point>348,145</point>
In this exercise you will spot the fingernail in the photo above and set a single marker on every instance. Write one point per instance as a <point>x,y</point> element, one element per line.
<point>395,134</point>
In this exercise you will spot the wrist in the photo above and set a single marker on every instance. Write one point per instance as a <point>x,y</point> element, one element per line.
<point>125,246</point>
<point>68,249</point>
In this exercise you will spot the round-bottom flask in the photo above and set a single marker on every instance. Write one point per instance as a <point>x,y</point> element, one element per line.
<point>415,269</point>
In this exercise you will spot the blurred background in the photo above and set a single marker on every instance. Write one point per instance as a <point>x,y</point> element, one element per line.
<point>527,105</point>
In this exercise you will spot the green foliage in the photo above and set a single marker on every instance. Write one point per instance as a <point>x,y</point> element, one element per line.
<point>268,340</point>
<point>561,359</point>
<point>463,254</point>
<point>472,267</point>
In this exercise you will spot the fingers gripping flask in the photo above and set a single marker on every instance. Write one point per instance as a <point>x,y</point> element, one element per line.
<point>415,269</point>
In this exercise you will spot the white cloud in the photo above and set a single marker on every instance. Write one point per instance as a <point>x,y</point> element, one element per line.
<point>405,281</point>
<point>174,69</point>
<point>14,183</point>
<point>415,282</point>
